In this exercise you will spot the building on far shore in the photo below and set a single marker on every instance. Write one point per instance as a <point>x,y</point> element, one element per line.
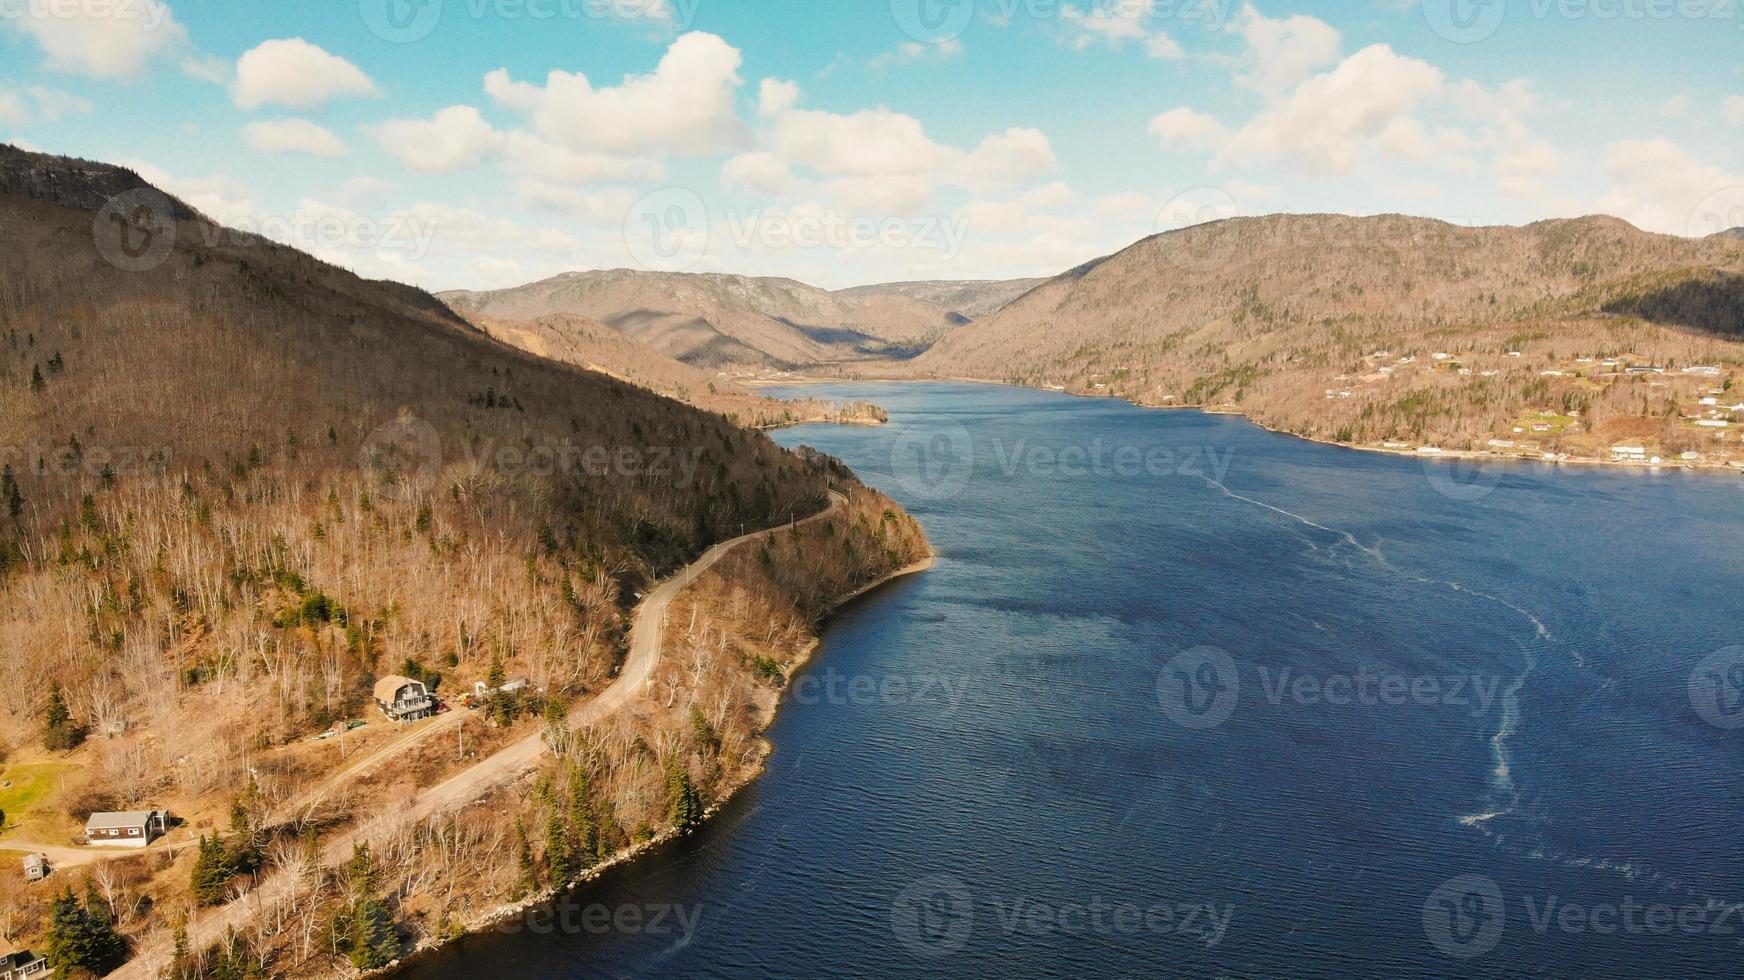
<point>134,828</point>
<point>404,699</point>
<point>21,964</point>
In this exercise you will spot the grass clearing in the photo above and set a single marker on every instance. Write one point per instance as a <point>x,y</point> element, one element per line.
<point>27,794</point>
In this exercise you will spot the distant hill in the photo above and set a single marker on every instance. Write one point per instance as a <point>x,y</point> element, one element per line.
<point>723,321</point>
<point>971,300</point>
<point>1734,233</point>
<point>593,345</point>
<point>1303,321</point>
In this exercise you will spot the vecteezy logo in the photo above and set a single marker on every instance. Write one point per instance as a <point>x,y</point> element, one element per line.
<point>933,21</point>
<point>1465,21</point>
<point>933,462</point>
<point>1200,688</point>
<point>934,916</point>
<point>1720,211</point>
<point>1463,480</point>
<point>668,230</point>
<point>1464,918</point>
<point>405,456</point>
<point>1716,689</point>
<point>401,21</point>
<point>136,231</point>
<point>1202,250</point>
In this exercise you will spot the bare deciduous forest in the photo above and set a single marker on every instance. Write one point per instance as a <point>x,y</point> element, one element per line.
<point>242,486</point>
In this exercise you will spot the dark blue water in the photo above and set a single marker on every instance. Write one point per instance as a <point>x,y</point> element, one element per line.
<point>1252,707</point>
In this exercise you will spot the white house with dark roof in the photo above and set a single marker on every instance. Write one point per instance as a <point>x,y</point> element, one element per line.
<point>134,828</point>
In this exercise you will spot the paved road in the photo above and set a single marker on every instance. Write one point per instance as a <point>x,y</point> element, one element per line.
<point>474,782</point>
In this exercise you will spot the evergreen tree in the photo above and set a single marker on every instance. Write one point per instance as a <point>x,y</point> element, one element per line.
<point>374,941</point>
<point>36,381</point>
<point>561,865</point>
<point>213,870</point>
<point>80,940</point>
<point>685,804</point>
<point>10,493</point>
<point>582,827</point>
<point>59,733</point>
<point>529,882</point>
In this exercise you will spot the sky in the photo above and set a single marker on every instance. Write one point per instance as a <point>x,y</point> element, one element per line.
<point>486,143</point>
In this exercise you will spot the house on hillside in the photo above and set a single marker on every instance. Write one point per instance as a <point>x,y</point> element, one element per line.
<point>35,867</point>
<point>514,685</point>
<point>134,828</point>
<point>24,963</point>
<point>404,699</point>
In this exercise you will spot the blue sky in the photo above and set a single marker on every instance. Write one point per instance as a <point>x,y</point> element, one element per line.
<point>483,143</point>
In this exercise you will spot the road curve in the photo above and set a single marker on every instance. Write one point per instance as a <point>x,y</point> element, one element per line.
<point>471,783</point>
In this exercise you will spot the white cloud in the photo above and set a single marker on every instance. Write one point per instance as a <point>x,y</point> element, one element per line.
<point>1118,24</point>
<point>297,75</point>
<point>1186,127</point>
<point>869,142</point>
<point>100,40</point>
<point>605,208</point>
<point>1734,110</point>
<point>452,139</point>
<point>1660,187</point>
<point>764,173</point>
<point>1282,52</point>
<point>1675,107</point>
<point>39,103</point>
<point>915,51</point>
<point>1013,157</point>
<point>775,97</point>
<point>527,154</point>
<point>686,106</point>
<point>292,136</point>
<point>1329,120</point>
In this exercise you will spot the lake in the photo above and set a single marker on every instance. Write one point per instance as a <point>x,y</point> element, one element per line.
<point>1186,698</point>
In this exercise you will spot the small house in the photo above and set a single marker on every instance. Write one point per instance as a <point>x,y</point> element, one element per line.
<point>24,963</point>
<point>512,686</point>
<point>35,867</point>
<point>404,699</point>
<point>135,828</point>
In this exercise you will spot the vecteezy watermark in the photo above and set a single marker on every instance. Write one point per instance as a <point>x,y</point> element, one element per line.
<point>1472,693</point>
<point>1102,459</point>
<point>1467,917</point>
<point>943,21</point>
<point>936,916</point>
<point>674,464</point>
<point>833,687</point>
<point>1472,21</point>
<point>149,14</point>
<point>1716,689</point>
<point>1464,479</point>
<point>668,230</point>
<point>1201,251</point>
<point>74,460</point>
<point>777,231</point>
<point>406,21</point>
<point>136,231</point>
<point>566,916</point>
<point>933,462</point>
<point>1720,211</point>
<point>405,454</point>
<point>1201,689</point>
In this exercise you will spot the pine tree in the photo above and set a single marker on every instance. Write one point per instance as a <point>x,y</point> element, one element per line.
<point>213,870</point>
<point>561,865</point>
<point>529,882</point>
<point>80,941</point>
<point>581,821</point>
<point>374,941</point>
<point>685,805</point>
<point>10,493</point>
<point>59,733</point>
<point>36,381</point>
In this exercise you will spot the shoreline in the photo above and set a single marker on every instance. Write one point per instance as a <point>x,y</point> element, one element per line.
<point>487,921</point>
<point>1735,468</point>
